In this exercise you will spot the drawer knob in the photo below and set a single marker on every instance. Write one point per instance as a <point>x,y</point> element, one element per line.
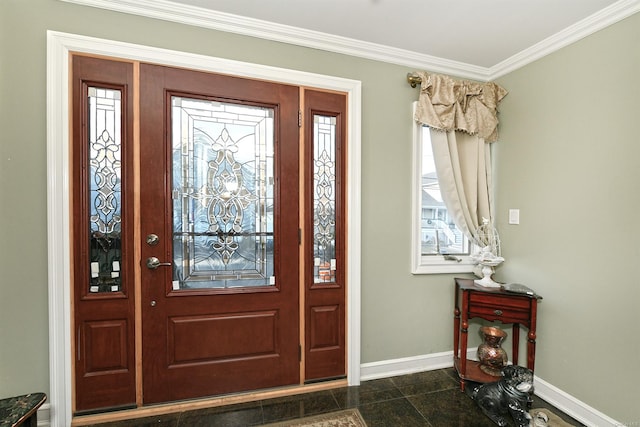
<point>497,312</point>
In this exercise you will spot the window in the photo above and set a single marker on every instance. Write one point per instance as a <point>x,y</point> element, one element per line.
<point>438,246</point>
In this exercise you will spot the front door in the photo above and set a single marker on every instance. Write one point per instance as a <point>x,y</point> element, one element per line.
<point>219,207</point>
<point>202,265</point>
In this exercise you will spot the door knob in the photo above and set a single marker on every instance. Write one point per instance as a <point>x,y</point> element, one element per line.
<point>153,263</point>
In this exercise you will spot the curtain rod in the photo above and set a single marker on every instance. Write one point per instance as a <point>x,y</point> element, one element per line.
<point>413,79</point>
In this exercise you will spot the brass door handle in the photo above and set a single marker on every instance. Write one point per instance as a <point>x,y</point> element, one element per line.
<point>154,262</point>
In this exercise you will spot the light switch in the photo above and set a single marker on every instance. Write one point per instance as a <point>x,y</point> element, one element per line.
<point>514,216</point>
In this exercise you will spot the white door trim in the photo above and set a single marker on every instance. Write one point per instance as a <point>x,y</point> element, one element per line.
<point>59,45</point>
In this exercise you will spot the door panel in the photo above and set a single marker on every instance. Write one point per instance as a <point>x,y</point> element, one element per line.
<point>325,216</point>
<point>196,339</point>
<point>105,334</point>
<point>325,327</point>
<point>222,314</point>
<point>103,283</point>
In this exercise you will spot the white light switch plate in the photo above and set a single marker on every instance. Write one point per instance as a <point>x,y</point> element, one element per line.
<point>514,216</point>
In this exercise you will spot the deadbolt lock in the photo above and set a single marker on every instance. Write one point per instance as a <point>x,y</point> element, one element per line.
<point>152,239</point>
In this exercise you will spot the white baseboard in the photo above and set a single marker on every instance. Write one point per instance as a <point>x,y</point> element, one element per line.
<point>556,397</point>
<point>572,406</point>
<point>44,414</point>
<point>405,365</point>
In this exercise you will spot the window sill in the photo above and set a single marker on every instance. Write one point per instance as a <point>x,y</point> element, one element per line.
<point>438,265</point>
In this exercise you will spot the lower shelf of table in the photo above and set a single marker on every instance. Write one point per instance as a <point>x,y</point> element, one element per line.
<point>473,372</point>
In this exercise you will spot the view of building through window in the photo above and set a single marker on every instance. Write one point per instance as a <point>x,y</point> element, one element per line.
<point>439,234</point>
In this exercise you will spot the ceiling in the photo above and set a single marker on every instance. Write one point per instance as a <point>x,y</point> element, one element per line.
<point>476,32</point>
<point>476,38</point>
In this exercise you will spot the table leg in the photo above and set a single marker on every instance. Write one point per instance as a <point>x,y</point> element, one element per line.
<point>463,351</point>
<point>531,350</point>
<point>456,332</point>
<point>515,332</point>
<point>531,345</point>
<point>32,421</point>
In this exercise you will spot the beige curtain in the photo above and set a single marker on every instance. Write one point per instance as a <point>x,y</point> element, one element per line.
<point>463,165</point>
<point>463,118</point>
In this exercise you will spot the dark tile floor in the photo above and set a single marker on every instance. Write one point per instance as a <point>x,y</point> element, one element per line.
<point>430,399</point>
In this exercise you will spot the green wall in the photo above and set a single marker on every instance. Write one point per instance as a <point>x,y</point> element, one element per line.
<point>569,159</point>
<point>575,252</point>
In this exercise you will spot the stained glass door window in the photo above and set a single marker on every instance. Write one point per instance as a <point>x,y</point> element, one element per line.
<point>223,194</point>
<point>105,199</point>
<point>324,198</point>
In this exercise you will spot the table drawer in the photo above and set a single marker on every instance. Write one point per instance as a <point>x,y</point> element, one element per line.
<point>507,309</point>
<point>502,314</point>
<point>501,301</point>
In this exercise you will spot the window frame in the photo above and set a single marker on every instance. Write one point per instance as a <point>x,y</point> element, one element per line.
<point>428,264</point>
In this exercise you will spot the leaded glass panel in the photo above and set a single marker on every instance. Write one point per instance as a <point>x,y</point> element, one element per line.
<point>324,198</point>
<point>105,198</point>
<point>223,194</point>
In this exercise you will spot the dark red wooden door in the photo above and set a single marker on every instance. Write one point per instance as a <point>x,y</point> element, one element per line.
<point>325,213</point>
<point>219,207</point>
<point>102,234</point>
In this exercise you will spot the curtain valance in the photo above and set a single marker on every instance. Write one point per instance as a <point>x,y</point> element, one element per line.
<point>459,105</point>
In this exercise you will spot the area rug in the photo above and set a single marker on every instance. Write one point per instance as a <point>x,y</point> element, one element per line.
<point>546,418</point>
<point>346,418</point>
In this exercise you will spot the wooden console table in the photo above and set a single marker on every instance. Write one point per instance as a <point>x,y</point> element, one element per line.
<point>492,304</point>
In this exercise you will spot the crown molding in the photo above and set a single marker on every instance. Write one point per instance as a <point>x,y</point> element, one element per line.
<point>594,23</point>
<point>206,18</point>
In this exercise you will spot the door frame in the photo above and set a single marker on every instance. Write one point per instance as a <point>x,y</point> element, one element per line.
<point>59,47</point>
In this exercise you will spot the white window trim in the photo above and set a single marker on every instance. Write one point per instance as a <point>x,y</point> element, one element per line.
<point>59,46</point>
<point>431,264</point>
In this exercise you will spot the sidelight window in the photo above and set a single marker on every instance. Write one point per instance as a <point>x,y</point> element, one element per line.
<point>105,199</point>
<point>324,198</point>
